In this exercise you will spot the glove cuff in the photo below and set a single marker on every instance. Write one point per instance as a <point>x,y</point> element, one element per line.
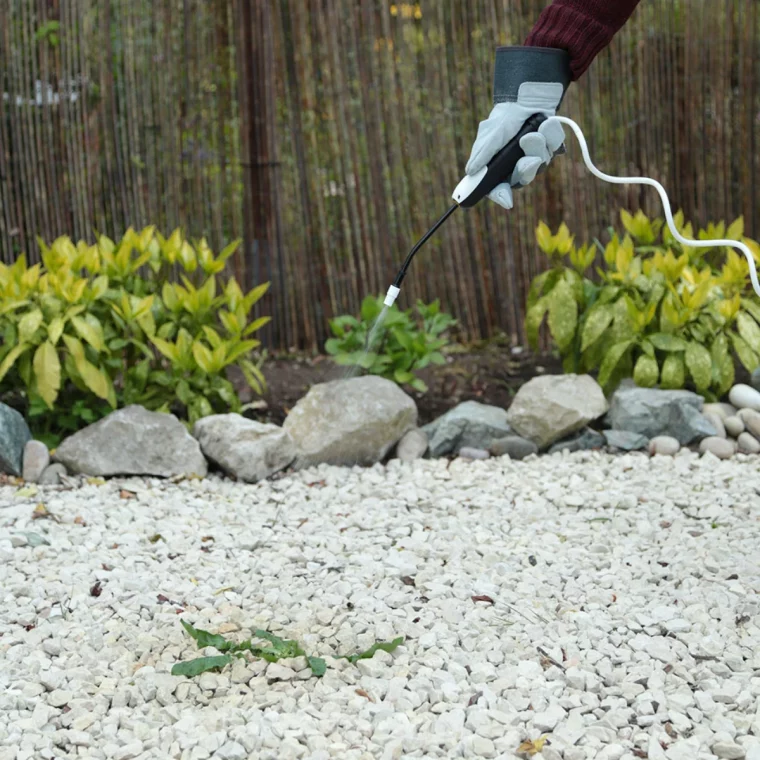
<point>515,65</point>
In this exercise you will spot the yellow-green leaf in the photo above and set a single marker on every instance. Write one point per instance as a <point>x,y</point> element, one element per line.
<point>673,373</point>
<point>533,320</point>
<point>544,238</point>
<point>11,357</point>
<point>187,257</point>
<point>597,322</point>
<point>95,379</point>
<point>646,372</point>
<point>47,372</point>
<point>202,356</point>
<point>166,348</point>
<point>76,349</point>
<point>228,250</point>
<point>667,342</point>
<point>55,328</point>
<point>213,336</point>
<point>611,360</point>
<point>99,287</point>
<point>735,230</point>
<point>749,330</point>
<point>699,364</point>
<point>90,330</point>
<point>28,325</point>
<point>257,324</point>
<point>253,296</point>
<point>563,314</point>
<point>746,355</point>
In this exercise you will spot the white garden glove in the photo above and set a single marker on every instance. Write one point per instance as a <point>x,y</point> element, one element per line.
<point>527,80</point>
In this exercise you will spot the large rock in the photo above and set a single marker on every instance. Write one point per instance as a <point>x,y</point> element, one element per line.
<point>243,448</point>
<point>350,422</point>
<point>625,441</point>
<point>468,425</point>
<point>652,412</point>
<point>14,434</point>
<point>550,407</point>
<point>133,441</point>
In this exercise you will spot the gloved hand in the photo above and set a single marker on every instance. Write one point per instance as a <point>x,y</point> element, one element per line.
<point>527,80</point>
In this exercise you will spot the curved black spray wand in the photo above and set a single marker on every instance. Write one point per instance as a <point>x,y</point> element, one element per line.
<point>472,189</point>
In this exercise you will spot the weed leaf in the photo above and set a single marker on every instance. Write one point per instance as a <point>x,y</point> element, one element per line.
<point>201,665</point>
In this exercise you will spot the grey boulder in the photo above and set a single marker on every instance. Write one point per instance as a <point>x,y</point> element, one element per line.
<point>412,446</point>
<point>625,441</point>
<point>468,425</point>
<point>652,412</point>
<point>246,449</point>
<point>133,441</point>
<point>551,407</point>
<point>350,422</point>
<point>36,460</point>
<point>14,434</point>
<point>586,440</point>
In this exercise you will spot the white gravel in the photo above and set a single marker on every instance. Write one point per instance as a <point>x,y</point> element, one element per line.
<point>625,622</point>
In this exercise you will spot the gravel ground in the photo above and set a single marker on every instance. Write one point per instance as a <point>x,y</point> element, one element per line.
<point>617,619</point>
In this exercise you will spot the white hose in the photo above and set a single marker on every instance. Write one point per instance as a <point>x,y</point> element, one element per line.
<point>665,204</point>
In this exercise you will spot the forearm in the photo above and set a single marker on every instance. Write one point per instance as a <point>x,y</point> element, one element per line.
<point>582,27</point>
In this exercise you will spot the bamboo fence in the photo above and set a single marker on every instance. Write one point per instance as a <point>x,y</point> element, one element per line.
<point>329,134</point>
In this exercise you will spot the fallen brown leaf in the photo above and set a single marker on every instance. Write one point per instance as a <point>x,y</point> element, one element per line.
<point>106,567</point>
<point>364,694</point>
<point>482,598</point>
<point>124,494</point>
<point>96,589</point>
<point>474,698</point>
<point>206,539</point>
<point>407,580</point>
<point>531,747</point>
<point>41,512</point>
<point>79,520</point>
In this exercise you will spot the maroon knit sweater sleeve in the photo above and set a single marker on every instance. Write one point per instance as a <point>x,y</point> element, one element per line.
<point>582,27</point>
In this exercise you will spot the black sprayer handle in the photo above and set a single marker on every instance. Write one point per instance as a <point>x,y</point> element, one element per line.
<point>502,165</point>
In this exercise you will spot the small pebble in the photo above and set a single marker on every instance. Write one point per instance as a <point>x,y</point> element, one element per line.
<point>468,452</point>
<point>717,422</point>
<point>35,459</point>
<point>734,426</point>
<point>744,397</point>
<point>52,474</point>
<point>722,448</point>
<point>748,444</point>
<point>723,410</point>
<point>664,445</point>
<point>514,447</point>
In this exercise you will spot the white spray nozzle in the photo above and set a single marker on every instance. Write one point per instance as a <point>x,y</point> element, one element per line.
<point>391,295</point>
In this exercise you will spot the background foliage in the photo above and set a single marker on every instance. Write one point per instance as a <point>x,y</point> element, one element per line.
<point>93,327</point>
<point>657,311</point>
<point>350,122</point>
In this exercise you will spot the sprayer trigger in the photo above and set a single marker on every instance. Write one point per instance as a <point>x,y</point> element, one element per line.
<point>468,184</point>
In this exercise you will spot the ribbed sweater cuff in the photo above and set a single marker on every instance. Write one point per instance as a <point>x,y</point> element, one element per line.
<point>582,36</point>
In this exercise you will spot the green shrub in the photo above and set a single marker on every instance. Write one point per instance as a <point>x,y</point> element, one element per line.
<point>662,313</point>
<point>402,345</point>
<point>98,326</point>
